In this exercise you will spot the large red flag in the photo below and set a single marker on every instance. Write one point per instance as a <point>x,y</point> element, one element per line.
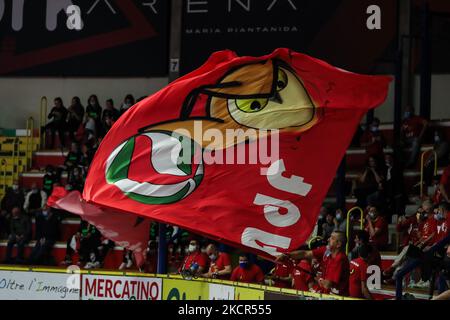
<point>311,109</point>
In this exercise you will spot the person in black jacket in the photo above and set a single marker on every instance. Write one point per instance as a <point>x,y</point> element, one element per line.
<point>94,111</point>
<point>20,231</point>
<point>47,233</point>
<point>75,117</point>
<point>58,114</point>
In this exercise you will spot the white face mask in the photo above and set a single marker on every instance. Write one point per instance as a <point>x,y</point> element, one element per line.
<point>15,187</point>
<point>192,248</point>
<point>213,257</point>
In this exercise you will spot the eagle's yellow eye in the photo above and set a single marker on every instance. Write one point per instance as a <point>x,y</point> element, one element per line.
<point>282,80</point>
<point>251,105</point>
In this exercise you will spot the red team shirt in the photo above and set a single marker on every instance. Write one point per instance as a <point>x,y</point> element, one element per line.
<point>382,238</point>
<point>252,274</point>
<point>413,126</point>
<point>200,258</point>
<point>221,262</point>
<point>427,229</point>
<point>334,269</point>
<point>442,229</point>
<point>282,270</point>
<point>358,273</point>
<point>300,277</point>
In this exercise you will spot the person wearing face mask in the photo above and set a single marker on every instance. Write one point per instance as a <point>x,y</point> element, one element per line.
<point>427,228</point>
<point>20,231</point>
<point>340,221</point>
<point>377,228</point>
<point>195,261</point>
<point>14,197</point>
<point>362,238</point>
<point>47,233</point>
<point>372,140</point>
<point>412,131</point>
<point>442,149</point>
<point>328,226</point>
<point>443,220</point>
<point>50,178</point>
<point>334,264</point>
<point>220,263</point>
<point>247,272</point>
<point>35,200</point>
<point>128,102</point>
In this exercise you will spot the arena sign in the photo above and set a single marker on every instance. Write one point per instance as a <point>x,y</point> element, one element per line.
<point>251,27</point>
<point>56,37</point>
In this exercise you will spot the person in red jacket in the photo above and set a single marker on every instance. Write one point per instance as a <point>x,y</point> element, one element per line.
<point>247,272</point>
<point>408,229</point>
<point>358,274</point>
<point>281,276</point>
<point>412,132</point>
<point>377,228</point>
<point>334,264</point>
<point>220,266</point>
<point>443,220</point>
<point>302,276</point>
<point>196,261</point>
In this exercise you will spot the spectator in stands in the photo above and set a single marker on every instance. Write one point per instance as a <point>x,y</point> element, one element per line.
<point>84,242</point>
<point>442,148</point>
<point>94,111</point>
<point>373,140</point>
<point>442,217</point>
<point>74,117</point>
<point>87,154</point>
<point>302,276</point>
<point>107,124</point>
<point>20,231</point>
<point>328,226</point>
<point>321,220</point>
<point>128,102</point>
<point>358,273</point>
<point>409,230</point>
<point>14,197</point>
<point>196,262</point>
<point>377,227</point>
<point>412,132</point>
<point>50,178</point>
<point>151,257</point>
<point>110,111</point>
<point>444,185</point>
<point>434,191</point>
<point>47,233</point>
<point>76,179</point>
<point>90,130</point>
<point>58,114</point>
<point>97,257</point>
<point>362,238</point>
<point>426,236</point>
<point>73,158</point>
<point>127,259</point>
<point>369,183</point>
<point>340,220</point>
<point>333,261</point>
<point>247,272</point>
<point>280,276</point>
<point>220,263</point>
<point>35,200</point>
<point>393,186</point>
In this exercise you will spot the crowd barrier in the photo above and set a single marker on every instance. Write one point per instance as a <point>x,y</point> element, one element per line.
<point>27,283</point>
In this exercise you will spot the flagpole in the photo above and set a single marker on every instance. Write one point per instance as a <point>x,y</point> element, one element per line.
<point>162,250</point>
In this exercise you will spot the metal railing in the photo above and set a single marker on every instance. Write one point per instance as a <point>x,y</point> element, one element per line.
<point>30,141</point>
<point>4,165</point>
<point>42,121</point>
<point>348,224</point>
<point>422,167</point>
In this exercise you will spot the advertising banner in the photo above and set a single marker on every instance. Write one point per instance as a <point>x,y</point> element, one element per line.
<point>220,292</point>
<point>248,294</point>
<point>174,289</point>
<point>16,285</point>
<point>101,287</point>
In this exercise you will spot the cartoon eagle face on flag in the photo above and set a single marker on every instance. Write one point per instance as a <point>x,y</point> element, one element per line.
<point>156,160</point>
<point>265,95</point>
